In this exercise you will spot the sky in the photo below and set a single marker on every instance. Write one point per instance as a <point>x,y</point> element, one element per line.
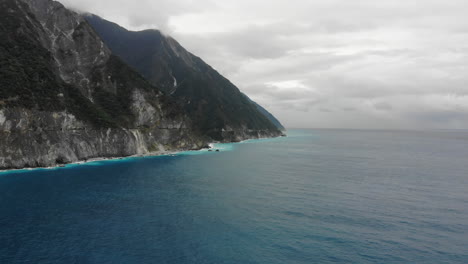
<point>373,64</point>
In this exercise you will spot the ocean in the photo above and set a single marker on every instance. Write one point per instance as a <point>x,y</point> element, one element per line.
<point>316,196</point>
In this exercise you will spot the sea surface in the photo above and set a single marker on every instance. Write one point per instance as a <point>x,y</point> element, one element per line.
<point>317,196</point>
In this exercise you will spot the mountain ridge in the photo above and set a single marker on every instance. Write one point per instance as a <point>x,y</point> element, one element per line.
<point>186,77</point>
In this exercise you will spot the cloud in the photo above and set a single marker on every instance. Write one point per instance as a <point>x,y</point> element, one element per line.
<point>383,106</point>
<point>139,14</point>
<point>324,63</point>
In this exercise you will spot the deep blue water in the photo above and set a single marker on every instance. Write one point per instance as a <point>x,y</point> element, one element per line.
<point>318,196</point>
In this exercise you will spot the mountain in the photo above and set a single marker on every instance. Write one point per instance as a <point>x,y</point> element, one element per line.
<point>216,106</point>
<point>64,97</point>
<point>268,115</point>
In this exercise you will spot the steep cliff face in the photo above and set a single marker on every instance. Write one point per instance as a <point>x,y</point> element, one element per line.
<point>64,97</point>
<point>41,139</point>
<point>216,105</point>
<point>77,50</point>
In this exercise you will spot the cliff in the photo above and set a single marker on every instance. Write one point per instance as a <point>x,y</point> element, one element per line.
<point>65,97</point>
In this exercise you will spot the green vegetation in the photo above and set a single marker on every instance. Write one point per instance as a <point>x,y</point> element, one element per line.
<point>26,76</point>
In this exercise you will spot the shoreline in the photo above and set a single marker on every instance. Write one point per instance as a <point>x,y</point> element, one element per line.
<point>98,159</point>
<point>211,145</point>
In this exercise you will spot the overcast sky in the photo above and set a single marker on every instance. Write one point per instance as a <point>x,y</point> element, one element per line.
<point>324,63</point>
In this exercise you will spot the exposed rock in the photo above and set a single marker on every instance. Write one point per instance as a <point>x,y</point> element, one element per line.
<point>41,139</point>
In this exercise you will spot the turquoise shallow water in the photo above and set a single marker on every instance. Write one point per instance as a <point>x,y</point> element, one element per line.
<point>318,196</point>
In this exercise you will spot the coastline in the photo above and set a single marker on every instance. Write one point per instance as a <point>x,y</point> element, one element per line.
<point>99,159</point>
<point>212,145</point>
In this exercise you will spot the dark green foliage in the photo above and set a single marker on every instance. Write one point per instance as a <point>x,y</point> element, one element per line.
<point>26,75</point>
<point>116,103</point>
<point>85,110</point>
<point>115,106</point>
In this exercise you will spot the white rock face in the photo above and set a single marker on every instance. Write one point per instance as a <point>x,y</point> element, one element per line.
<point>66,33</point>
<point>145,112</point>
<point>140,143</point>
<point>2,118</point>
<point>42,139</point>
